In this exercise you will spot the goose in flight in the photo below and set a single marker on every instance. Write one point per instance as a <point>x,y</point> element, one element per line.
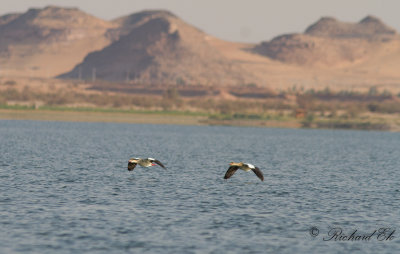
<point>147,162</point>
<point>243,166</point>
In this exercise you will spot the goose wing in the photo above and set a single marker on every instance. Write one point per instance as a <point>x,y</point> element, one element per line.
<point>231,171</point>
<point>258,173</point>
<point>159,163</point>
<point>131,166</point>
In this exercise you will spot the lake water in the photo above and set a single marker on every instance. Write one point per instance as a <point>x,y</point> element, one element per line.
<point>65,188</point>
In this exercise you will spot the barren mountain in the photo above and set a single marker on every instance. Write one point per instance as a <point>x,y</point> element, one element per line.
<point>157,47</point>
<point>368,28</point>
<point>125,24</point>
<point>48,41</point>
<point>8,18</point>
<point>330,42</point>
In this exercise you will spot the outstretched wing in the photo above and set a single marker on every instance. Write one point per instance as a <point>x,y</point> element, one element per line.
<point>131,165</point>
<point>159,163</point>
<point>258,173</point>
<point>231,171</point>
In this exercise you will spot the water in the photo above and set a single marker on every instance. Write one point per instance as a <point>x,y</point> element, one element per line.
<point>65,189</point>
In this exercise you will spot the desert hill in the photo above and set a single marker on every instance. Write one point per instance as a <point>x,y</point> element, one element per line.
<point>49,41</point>
<point>157,47</point>
<point>330,42</point>
<point>125,24</point>
<point>369,27</point>
<point>8,18</point>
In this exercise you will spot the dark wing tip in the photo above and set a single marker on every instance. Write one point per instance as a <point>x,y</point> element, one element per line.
<point>231,171</point>
<point>131,166</point>
<point>159,163</point>
<point>258,173</point>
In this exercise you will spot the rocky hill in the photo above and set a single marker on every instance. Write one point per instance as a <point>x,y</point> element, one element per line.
<point>157,47</point>
<point>49,41</point>
<point>368,28</point>
<point>330,42</point>
<point>8,18</point>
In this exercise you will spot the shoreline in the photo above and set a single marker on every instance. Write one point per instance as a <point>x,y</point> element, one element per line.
<point>97,116</point>
<point>145,117</point>
<point>163,117</point>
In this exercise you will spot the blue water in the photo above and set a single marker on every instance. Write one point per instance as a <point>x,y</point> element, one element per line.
<point>65,189</point>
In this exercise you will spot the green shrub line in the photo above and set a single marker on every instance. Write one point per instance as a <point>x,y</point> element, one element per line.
<point>310,109</point>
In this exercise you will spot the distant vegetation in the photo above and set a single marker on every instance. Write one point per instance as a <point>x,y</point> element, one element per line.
<point>310,108</point>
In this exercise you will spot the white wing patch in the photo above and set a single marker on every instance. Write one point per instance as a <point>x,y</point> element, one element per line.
<point>250,165</point>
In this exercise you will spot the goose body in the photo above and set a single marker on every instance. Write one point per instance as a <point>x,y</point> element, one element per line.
<point>234,166</point>
<point>144,162</point>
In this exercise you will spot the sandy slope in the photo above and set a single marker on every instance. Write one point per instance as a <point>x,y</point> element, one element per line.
<point>156,47</point>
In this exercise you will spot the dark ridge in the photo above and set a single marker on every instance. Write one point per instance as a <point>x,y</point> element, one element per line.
<point>8,18</point>
<point>374,25</point>
<point>321,25</point>
<point>130,50</point>
<point>373,19</point>
<point>137,17</point>
<point>127,23</point>
<point>57,8</point>
<point>368,28</point>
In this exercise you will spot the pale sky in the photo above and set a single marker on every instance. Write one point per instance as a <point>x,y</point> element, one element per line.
<point>234,20</point>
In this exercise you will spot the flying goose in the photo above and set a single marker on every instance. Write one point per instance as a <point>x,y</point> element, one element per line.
<point>148,162</point>
<point>243,166</point>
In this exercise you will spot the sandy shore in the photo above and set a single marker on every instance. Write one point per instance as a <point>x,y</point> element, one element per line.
<point>139,118</point>
<point>87,116</point>
<point>162,118</point>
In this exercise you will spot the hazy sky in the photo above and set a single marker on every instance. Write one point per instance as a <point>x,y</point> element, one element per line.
<point>235,20</point>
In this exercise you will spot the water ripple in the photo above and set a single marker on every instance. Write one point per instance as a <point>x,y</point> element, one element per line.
<point>72,193</point>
